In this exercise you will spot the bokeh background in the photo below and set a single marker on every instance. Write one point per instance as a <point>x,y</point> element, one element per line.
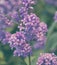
<point>45,10</point>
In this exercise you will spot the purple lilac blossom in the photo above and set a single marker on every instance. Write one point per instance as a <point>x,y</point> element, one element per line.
<point>4,22</point>
<point>4,36</point>
<point>47,59</point>
<point>5,5</point>
<point>34,30</point>
<point>17,41</point>
<point>14,8</point>
<point>3,9</point>
<point>14,15</point>
<point>23,11</point>
<point>24,50</point>
<point>10,10</point>
<point>31,28</point>
<point>51,2</point>
<point>55,17</point>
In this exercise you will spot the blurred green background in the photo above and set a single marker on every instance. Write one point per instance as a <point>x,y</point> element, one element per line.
<point>46,14</point>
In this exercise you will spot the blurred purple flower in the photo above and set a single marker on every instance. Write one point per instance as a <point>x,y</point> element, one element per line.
<point>47,59</point>
<point>4,21</point>
<point>34,30</point>
<point>15,7</point>
<point>30,26</point>
<point>17,41</point>
<point>23,50</point>
<point>14,15</point>
<point>4,36</point>
<point>23,11</point>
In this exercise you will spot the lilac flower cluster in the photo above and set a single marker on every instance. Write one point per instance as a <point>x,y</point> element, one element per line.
<point>47,59</point>
<point>17,41</point>
<point>5,22</point>
<point>34,30</point>
<point>55,17</point>
<point>13,11</point>
<point>51,2</point>
<point>30,26</point>
<point>9,5</point>
<point>9,11</point>
<point>15,8</point>
<point>4,36</point>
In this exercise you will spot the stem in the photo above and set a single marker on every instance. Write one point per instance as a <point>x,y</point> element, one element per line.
<point>29,59</point>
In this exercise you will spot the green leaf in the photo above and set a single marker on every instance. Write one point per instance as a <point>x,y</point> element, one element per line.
<point>1,55</point>
<point>51,29</point>
<point>3,62</point>
<point>54,47</point>
<point>51,43</point>
<point>2,59</point>
<point>50,9</point>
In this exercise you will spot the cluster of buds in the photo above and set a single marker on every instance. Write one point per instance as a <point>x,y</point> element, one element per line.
<point>47,59</point>
<point>30,26</point>
<point>34,30</point>
<point>5,22</point>
<point>17,41</point>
